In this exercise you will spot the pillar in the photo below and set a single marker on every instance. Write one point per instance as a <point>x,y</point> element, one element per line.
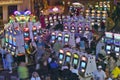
<point>5,13</point>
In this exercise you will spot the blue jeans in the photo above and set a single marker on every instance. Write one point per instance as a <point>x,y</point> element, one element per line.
<point>4,63</point>
<point>9,65</point>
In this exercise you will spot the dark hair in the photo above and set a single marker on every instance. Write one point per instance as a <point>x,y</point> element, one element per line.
<point>75,66</point>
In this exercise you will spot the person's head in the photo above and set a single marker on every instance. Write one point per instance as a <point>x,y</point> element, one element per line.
<point>102,47</point>
<point>35,74</point>
<point>75,66</point>
<point>99,68</point>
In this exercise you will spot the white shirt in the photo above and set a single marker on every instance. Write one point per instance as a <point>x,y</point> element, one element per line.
<point>99,75</point>
<point>37,78</point>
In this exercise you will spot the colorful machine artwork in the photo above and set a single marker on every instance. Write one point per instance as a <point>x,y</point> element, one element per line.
<point>22,17</point>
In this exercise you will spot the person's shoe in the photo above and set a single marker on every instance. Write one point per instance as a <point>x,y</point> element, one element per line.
<point>10,72</point>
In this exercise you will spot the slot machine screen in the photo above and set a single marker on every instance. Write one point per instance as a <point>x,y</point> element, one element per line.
<point>59,38</point>
<point>53,37</point>
<point>83,64</point>
<point>26,34</point>
<point>68,59</point>
<point>75,61</point>
<point>61,56</point>
<point>66,39</point>
<point>34,33</point>
<point>117,49</point>
<point>108,47</point>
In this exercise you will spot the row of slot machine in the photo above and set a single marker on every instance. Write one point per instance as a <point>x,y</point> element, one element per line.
<point>112,43</point>
<point>85,63</point>
<point>52,19</point>
<point>99,12</point>
<point>77,28</point>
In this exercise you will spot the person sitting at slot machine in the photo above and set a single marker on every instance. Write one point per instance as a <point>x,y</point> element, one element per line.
<point>75,70</point>
<point>102,51</point>
<point>82,45</point>
<point>57,46</point>
<point>99,74</point>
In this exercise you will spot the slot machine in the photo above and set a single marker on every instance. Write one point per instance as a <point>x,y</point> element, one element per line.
<point>61,56</point>
<point>75,60</point>
<point>51,20</point>
<point>68,57</point>
<point>117,44</point>
<point>66,27</point>
<point>108,42</point>
<point>60,37</point>
<point>87,66</point>
<point>26,34</point>
<point>46,20</point>
<point>87,28</point>
<point>34,31</point>
<point>53,37</point>
<point>80,29</point>
<point>72,28</point>
<point>66,39</point>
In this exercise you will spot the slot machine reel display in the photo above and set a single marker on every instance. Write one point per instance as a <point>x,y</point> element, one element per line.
<point>75,60</point>
<point>66,39</point>
<point>68,57</point>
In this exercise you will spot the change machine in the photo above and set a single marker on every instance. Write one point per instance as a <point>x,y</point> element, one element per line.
<point>108,42</point>
<point>117,44</point>
<point>75,60</point>
<point>68,57</point>
<point>87,65</point>
<point>61,56</point>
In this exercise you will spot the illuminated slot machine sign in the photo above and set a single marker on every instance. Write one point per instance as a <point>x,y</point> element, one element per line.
<point>117,43</point>
<point>83,65</point>
<point>26,34</point>
<point>53,37</point>
<point>75,60</point>
<point>61,56</point>
<point>108,37</point>
<point>66,38</point>
<point>68,57</point>
<point>60,36</point>
<point>34,30</point>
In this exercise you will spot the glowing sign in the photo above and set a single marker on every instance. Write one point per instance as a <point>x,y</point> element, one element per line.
<point>109,34</point>
<point>34,28</point>
<point>76,56</point>
<point>66,35</point>
<point>61,51</point>
<point>84,58</point>
<point>26,29</point>
<point>117,36</point>
<point>68,53</point>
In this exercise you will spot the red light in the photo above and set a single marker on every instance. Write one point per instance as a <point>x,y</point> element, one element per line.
<point>35,38</point>
<point>26,39</point>
<point>26,29</point>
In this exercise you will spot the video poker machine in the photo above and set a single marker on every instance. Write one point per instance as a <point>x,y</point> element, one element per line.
<point>61,56</point>
<point>34,31</point>
<point>68,57</point>
<point>66,39</point>
<point>60,37</point>
<point>117,44</point>
<point>108,42</point>
<point>72,28</point>
<point>87,65</point>
<point>53,37</point>
<point>75,60</point>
